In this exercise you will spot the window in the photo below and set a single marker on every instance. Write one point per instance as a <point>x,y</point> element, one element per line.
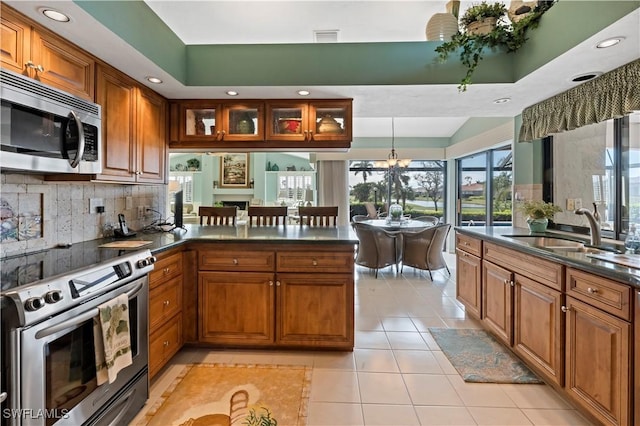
<point>419,187</point>
<point>485,182</point>
<point>597,166</point>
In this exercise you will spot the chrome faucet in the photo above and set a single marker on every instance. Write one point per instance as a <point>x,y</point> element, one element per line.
<point>594,223</point>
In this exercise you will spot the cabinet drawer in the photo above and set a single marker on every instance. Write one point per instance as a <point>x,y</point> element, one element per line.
<point>600,292</point>
<point>543,271</point>
<point>237,260</point>
<point>164,343</point>
<point>314,262</point>
<point>165,268</point>
<point>164,302</point>
<point>469,244</point>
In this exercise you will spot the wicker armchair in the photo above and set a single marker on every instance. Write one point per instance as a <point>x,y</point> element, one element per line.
<point>377,248</point>
<point>423,249</point>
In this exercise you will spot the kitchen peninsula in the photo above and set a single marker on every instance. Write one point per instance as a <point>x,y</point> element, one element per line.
<point>252,287</point>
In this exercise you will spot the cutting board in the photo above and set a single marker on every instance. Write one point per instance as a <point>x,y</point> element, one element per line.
<point>630,260</point>
<point>129,244</point>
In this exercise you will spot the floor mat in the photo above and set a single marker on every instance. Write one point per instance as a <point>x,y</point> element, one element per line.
<point>480,358</point>
<point>234,395</point>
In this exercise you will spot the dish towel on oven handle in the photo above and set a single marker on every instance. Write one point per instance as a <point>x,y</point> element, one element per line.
<point>112,339</point>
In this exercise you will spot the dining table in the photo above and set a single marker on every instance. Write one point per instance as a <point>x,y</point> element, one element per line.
<point>403,225</point>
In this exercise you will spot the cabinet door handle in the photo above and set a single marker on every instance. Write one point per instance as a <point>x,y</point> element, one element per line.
<point>31,65</point>
<point>221,135</point>
<point>592,290</point>
<point>277,283</point>
<point>314,262</point>
<point>166,303</point>
<point>564,309</point>
<point>270,283</point>
<point>310,135</point>
<point>235,261</point>
<point>165,343</point>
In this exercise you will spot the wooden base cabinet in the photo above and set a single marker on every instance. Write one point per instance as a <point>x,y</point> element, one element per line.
<point>236,308</point>
<point>310,310</point>
<point>497,300</point>
<point>165,310</point>
<point>469,273</point>
<point>538,332</point>
<point>275,297</point>
<point>599,346</point>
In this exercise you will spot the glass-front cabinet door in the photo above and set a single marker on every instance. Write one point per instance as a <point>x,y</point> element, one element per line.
<point>287,121</point>
<point>197,121</point>
<point>324,120</point>
<point>202,121</point>
<point>243,122</point>
<point>330,120</point>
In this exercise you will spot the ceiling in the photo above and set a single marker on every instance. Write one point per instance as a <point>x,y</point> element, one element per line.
<point>419,110</point>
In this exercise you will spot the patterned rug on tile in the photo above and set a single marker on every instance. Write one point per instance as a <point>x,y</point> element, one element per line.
<point>234,395</point>
<point>480,358</point>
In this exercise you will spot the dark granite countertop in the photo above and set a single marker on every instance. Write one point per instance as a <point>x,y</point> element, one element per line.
<point>503,235</point>
<point>30,267</point>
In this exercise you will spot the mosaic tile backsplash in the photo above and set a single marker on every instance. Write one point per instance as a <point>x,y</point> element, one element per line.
<point>36,214</point>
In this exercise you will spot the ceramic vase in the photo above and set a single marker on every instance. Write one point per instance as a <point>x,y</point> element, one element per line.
<point>538,225</point>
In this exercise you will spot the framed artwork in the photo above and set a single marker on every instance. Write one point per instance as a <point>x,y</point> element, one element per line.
<point>234,170</point>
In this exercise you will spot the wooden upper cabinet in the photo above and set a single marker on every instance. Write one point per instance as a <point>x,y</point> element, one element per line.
<point>209,123</point>
<point>151,137</point>
<point>16,41</point>
<point>327,120</point>
<point>42,55</point>
<point>133,129</point>
<point>261,124</point>
<point>116,93</point>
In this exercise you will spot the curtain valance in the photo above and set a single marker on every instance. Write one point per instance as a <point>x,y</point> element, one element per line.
<point>614,94</point>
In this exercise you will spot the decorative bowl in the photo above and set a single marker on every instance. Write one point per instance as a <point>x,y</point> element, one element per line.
<point>290,125</point>
<point>328,124</point>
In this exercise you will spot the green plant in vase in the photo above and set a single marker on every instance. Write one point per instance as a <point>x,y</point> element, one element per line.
<point>538,213</point>
<point>472,44</point>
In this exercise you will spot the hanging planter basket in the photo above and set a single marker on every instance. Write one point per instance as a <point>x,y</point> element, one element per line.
<point>482,27</point>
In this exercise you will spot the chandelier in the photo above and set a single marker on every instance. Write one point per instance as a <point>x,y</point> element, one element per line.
<point>392,160</point>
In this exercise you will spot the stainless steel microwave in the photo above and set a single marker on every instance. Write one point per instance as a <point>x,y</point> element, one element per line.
<point>46,130</point>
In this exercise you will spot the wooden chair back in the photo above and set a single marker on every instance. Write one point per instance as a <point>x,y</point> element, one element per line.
<point>218,215</point>
<point>267,215</point>
<point>324,216</point>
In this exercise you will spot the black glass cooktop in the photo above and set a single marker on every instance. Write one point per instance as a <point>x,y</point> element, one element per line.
<point>26,269</point>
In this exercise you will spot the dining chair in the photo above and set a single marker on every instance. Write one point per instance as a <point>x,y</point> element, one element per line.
<point>218,215</point>
<point>423,249</point>
<point>359,218</point>
<point>320,216</point>
<point>428,219</point>
<point>267,215</point>
<point>377,248</point>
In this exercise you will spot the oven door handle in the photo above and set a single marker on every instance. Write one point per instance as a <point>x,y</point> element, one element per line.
<point>81,318</point>
<point>127,400</point>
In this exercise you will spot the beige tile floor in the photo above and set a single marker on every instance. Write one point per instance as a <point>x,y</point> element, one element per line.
<point>397,374</point>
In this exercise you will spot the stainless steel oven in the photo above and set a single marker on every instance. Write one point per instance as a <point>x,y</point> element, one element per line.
<point>50,347</point>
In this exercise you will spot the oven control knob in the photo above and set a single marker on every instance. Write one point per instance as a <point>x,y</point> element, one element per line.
<point>143,263</point>
<point>53,296</point>
<point>152,260</point>
<point>34,303</point>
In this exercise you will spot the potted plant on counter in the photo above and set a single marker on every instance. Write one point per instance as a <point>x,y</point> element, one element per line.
<point>538,213</point>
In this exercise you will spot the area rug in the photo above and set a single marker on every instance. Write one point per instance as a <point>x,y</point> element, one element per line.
<point>234,395</point>
<point>479,358</point>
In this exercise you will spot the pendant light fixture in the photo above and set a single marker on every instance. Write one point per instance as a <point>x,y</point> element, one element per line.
<point>393,163</point>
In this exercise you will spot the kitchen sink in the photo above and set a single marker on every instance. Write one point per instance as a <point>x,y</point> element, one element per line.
<point>556,244</point>
<point>547,242</point>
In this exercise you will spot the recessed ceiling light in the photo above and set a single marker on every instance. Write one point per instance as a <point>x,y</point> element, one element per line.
<point>55,15</point>
<point>232,93</point>
<point>502,100</point>
<point>585,77</point>
<point>303,92</point>
<point>154,80</point>
<point>609,42</point>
